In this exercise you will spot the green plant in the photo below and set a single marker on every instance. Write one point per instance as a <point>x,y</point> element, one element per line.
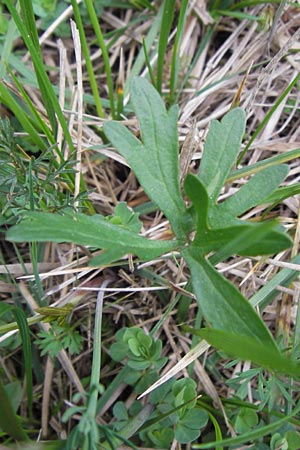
<point>141,350</point>
<point>206,232</point>
<point>175,414</point>
<point>31,182</point>
<point>217,225</point>
<point>58,338</point>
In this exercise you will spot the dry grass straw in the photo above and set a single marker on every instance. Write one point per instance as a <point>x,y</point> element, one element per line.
<point>233,48</point>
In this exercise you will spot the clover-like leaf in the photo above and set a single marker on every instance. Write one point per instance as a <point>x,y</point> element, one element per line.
<point>189,426</point>
<point>162,437</point>
<point>184,390</point>
<point>245,420</point>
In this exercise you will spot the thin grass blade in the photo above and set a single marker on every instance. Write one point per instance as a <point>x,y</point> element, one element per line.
<point>167,19</point>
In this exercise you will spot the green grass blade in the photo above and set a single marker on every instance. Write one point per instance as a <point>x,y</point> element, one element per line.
<point>7,47</point>
<point>268,292</point>
<point>148,63</point>
<point>25,335</point>
<point>203,44</point>
<point>28,31</point>
<point>29,22</point>
<point>86,53</point>
<point>167,19</point>
<point>100,39</point>
<point>7,99</point>
<point>237,15</point>
<point>252,435</point>
<point>48,94</point>
<point>250,3</point>
<point>149,43</point>
<point>261,165</point>
<point>37,116</point>
<point>118,380</point>
<point>137,422</point>
<point>175,56</point>
<point>217,428</point>
<point>268,116</point>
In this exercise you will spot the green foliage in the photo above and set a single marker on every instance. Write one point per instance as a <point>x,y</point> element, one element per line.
<point>58,315</point>
<point>206,232</point>
<point>3,22</point>
<point>218,229</point>
<point>9,422</point>
<point>49,10</point>
<point>30,182</point>
<point>58,338</point>
<point>293,439</point>
<point>88,434</point>
<point>188,428</point>
<point>269,388</point>
<point>248,348</point>
<point>179,418</point>
<point>238,10</point>
<point>161,437</point>
<point>176,400</point>
<point>26,24</point>
<point>252,436</point>
<point>7,316</point>
<point>245,420</point>
<point>289,441</point>
<point>36,185</point>
<point>168,13</point>
<point>189,420</point>
<point>141,349</point>
<point>95,231</point>
<point>154,160</point>
<point>125,217</point>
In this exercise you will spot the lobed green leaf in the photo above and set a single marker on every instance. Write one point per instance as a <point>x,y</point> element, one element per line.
<point>221,149</point>
<point>250,194</point>
<point>239,237</point>
<point>154,160</point>
<point>94,231</point>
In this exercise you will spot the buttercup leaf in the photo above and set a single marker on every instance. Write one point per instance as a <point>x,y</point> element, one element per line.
<point>154,159</point>
<point>222,146</point>
<point>94,231</point>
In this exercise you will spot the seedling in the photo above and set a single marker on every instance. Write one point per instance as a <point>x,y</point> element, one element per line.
<point>206,232</point>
